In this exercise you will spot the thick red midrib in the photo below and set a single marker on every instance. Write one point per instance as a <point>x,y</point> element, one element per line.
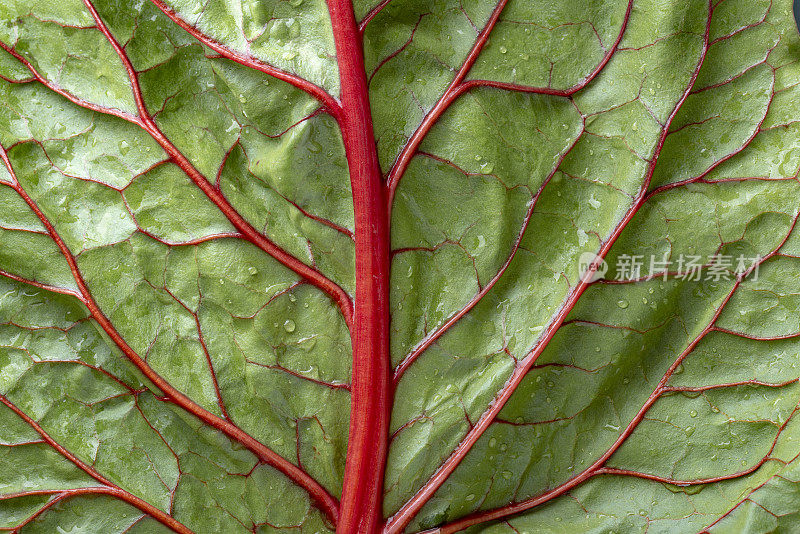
<point>361,509</point>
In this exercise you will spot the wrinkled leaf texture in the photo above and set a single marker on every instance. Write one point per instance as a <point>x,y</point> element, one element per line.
<point>161,368</point>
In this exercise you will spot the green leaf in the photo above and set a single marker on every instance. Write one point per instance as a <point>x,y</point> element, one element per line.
<point>259,259</point>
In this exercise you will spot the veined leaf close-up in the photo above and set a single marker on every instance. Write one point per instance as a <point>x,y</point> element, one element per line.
<point>399,266</point>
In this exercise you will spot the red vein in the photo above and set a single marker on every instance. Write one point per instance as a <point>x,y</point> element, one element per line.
<point>560,92</point>
<point>46,287</point>
<point>326,502</point>
<point>598,467</point>
<point>362,26</point>
<point>746,499</point>
<point>398,51</point>
<point>449,96</point>
<point>317,218</point>
<point>371,391</point>
<point>201,339</point>
<point>60,496</point>
<point>331,385</point>
<point>408,511</point>
<point>145,121</point>
<point>110,488</point>
<point>700,389</point>
<point>247,231</point>
<point>693,482</point>
<point>330,103</point>
<point>458,87</point>
<point>100,370</point>
<point>429,340</point>
<point>215,195</point>
<point>66,94</point>
<point>756,338</point>
<point>702,177</point>
<point>747,27</point>
<point>217,391</point>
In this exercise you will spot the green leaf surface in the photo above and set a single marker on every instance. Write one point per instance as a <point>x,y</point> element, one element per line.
<point>185,290</point>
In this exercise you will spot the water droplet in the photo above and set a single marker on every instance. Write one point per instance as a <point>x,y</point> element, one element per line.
<point>622,304</point>
<point>309,343</point>
<point>503,49</point>
<point>252,270</point>
<point>492,442</point>
<point>289,325</point>
<point>693,413</point>
<point>314,147</point>
<point>583,237</point>
<point>693,490</point>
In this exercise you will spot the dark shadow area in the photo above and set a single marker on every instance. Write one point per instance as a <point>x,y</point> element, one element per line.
<point>797,12</point>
